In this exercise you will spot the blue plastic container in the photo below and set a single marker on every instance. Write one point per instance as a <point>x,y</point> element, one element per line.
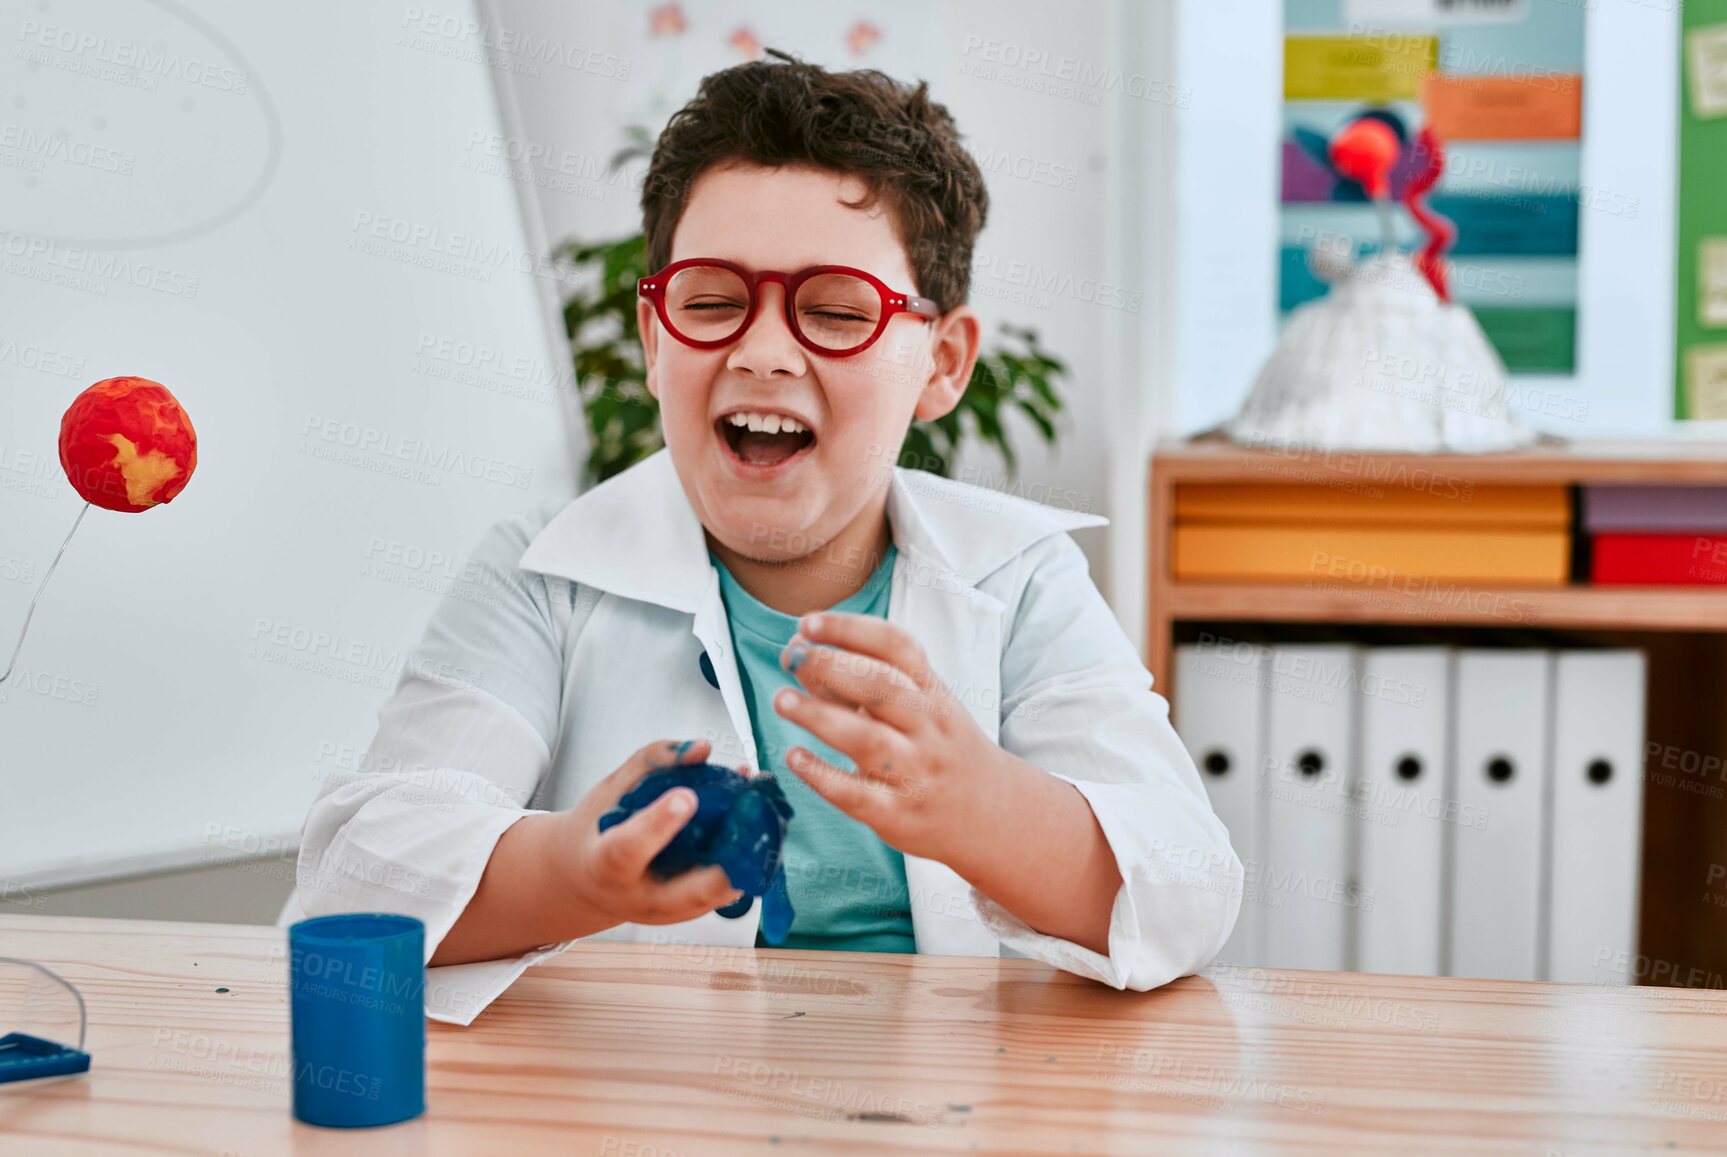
<point>357,984</point>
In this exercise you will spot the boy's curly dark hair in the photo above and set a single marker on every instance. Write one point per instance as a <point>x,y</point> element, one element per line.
<point>900,142</point>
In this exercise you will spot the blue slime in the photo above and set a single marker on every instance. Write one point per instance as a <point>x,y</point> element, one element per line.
<point>739,825</point>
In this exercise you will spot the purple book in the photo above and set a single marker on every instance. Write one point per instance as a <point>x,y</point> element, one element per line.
<point>1674,508</point>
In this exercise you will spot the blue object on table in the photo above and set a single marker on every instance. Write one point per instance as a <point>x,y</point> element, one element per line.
<point>24,1058</point>
<point>357,985</point>
<point>740,825</point>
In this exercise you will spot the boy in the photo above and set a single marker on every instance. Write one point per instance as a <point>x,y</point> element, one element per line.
<point>970,743</point>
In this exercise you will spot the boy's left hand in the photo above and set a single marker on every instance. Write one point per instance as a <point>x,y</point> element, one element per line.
<point>922,760</point>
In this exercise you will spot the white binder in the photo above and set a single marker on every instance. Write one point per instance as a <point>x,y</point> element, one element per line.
<point>1502,770</point>
<point>1402,798</point>
<point>1597,813</point>
<point>1220,714</point>
<point>1306,882</point>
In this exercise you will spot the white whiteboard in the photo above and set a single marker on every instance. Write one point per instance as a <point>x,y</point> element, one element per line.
<point>273,210</point>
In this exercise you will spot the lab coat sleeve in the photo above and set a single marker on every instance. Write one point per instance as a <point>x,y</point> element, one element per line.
<point>1077,702</point>
<point>462,742</point>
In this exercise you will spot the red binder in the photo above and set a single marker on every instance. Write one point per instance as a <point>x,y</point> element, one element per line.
<point>1660,559</point>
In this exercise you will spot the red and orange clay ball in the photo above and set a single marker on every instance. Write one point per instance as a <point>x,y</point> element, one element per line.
<point>1366,151</point>
<point>126,445</point>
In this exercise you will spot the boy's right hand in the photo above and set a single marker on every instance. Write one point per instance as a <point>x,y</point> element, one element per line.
<point>608,871</point>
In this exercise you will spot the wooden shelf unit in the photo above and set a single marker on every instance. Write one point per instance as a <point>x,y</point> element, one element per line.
<point>1576,606</point>
<point>1683,630</point>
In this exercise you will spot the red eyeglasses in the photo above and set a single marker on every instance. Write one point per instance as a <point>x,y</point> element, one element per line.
<point>833,310</point>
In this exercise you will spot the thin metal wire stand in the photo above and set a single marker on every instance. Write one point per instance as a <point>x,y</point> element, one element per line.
<point>25,629</point>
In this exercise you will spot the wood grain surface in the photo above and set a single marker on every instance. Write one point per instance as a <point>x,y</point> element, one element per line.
<point>644,1051</point>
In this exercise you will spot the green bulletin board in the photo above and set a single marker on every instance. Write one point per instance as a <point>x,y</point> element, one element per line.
<point>1701,304</point>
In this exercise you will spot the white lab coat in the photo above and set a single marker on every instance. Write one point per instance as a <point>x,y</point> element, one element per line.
<point>576,637</point>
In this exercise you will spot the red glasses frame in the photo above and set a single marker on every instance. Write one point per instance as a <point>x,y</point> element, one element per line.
<point>893,302</point>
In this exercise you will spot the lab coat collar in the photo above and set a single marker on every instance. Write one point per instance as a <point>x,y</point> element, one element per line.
<point>637,535</point>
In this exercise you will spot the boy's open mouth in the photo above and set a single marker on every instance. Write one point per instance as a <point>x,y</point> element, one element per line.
<point>759,447</point>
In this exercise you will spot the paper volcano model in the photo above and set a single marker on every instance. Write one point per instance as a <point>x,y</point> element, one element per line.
<point>1380,363</point>
<point>1385,361</point>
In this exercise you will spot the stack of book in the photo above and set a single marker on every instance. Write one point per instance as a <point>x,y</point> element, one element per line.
<point>1657,535</point>
<point>1388,536</point>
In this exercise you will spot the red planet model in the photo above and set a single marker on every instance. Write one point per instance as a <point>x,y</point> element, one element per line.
<point>126,445</point>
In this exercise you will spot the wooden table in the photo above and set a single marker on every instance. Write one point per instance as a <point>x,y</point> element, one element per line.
<point>648,1052</point>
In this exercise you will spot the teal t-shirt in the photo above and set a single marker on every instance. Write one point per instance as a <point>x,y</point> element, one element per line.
<point>847,887</point>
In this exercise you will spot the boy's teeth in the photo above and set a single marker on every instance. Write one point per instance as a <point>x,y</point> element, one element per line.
<point>766,423</point>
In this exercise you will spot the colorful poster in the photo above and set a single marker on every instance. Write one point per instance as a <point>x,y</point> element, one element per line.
<point>1501,81</point>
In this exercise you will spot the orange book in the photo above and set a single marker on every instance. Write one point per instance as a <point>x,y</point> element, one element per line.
<point>1371,555</point>
<point>1431,499</point>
